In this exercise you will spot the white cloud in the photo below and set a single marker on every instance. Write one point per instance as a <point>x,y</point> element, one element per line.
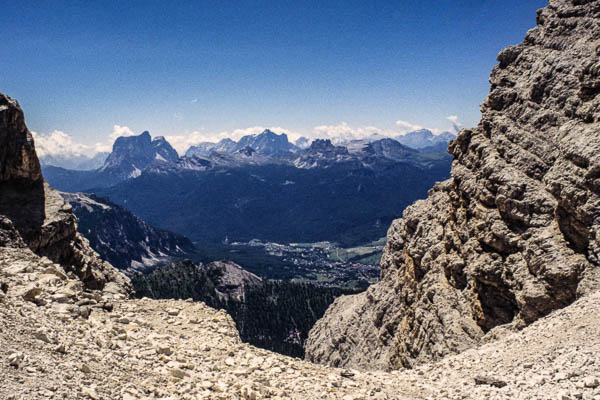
<point>194,101</point>
<point>456,124</point>
<point>406,127</point>
<point>60,143</point>
<point>183,142</point>
<point>118,131</point>
<point>453,119</point>
<point>344,131</point>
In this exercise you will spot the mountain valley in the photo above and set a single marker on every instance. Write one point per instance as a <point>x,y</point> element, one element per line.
<point>327,192</point>
<point>273,315</point>
<point>381,268</point>
<point>124,239</point>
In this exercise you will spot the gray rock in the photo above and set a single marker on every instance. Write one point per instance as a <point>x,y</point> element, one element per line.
<point>513,234</point>
<point>489,380</point>
<point>41,335</point>
<point>31,292</point>
<point>591,382</point>
<point>61,348</point>
<point>33,214</point>
<point>16,359</point>
<point>233,280</point>
<point>164,349</point>
<point>179,373</point>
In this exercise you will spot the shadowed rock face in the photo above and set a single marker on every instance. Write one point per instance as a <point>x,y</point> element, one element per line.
<point>513,234</point>
<point>18,160</point>
<point>33,214</point>
<point>122,238</point>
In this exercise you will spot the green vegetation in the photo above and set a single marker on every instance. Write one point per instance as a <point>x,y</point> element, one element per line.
<point>181,280</point>
<point>273,315</point>
<point>251,258</point>
<point>278,315</point>
<point>344,203</point>
<point>318,263</point>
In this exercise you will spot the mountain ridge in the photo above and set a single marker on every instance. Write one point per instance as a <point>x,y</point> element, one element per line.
<point>123,239</point>
<point>132,155</point>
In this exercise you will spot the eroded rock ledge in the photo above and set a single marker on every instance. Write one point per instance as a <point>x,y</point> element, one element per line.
<point>61,341</point>
<point>33,214</point>
<point>513,234</point>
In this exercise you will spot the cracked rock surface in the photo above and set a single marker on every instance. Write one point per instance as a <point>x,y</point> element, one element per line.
<point>513,234</point>
<point>34,214</point>
<point>59,340</point>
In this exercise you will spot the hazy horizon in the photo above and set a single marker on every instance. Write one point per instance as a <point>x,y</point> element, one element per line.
<point>87,73</point>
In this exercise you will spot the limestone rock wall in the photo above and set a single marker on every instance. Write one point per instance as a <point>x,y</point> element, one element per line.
<point>513,234</point>
<point>33,214</point>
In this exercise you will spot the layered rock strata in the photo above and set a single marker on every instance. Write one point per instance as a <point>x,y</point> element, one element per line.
<point>34,215</point>
<point>513,234</point>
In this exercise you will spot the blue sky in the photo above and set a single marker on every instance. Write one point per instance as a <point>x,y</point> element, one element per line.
<point>195,70</point>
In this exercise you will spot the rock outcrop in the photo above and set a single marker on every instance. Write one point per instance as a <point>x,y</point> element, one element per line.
<point>232,281</point>
<point>513,234</point>
<point>65,343</point>
<point>33,214</point>
<point>131,155</point>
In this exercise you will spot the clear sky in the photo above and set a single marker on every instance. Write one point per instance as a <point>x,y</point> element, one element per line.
<point>195,70</point>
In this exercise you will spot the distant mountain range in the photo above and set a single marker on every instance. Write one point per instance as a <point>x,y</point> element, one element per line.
<point>123,239</point>
<point>263,186</point>
<point>267,143</point>
<point>78,162</point>
<point>133,155</point>
<point>424,139</point>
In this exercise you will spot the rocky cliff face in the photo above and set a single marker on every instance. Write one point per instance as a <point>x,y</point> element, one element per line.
<point>133,154</point>
<point>122,238</point>
<point>34,215</point>
<point>232,281</point>
<point>513,234</point>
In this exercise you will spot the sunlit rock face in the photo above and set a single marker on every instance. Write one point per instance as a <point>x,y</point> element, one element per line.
<point>513,234</point>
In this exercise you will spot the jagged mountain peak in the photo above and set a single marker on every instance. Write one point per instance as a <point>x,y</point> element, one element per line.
<point>268,143</point>
<point>424,138</point>
<point>269,132</point>
<point>131,155</point>
<point>322,154</point>
<point>323,145</point>
<point>392,149</point>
